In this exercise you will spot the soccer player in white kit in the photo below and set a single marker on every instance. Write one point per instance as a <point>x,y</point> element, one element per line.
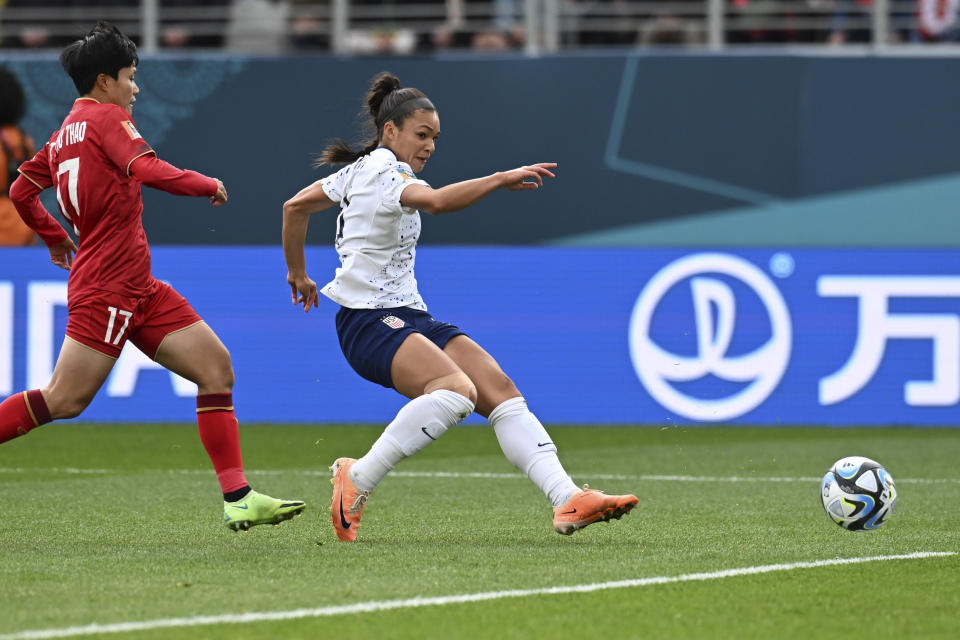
<point>384,329</point>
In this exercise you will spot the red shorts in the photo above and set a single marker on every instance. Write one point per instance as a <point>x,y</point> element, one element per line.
<point>104,321</point>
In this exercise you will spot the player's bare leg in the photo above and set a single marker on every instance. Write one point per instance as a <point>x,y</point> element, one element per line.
<point>197,354</point>
<point>78,375</point>
<point>417,363</point>
<point>494,387</point>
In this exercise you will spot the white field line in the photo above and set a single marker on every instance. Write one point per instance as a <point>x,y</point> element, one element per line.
<point>654,477</point>
<point>477,474</point>
<point>411,603</point>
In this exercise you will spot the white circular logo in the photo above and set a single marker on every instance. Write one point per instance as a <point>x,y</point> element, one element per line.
<point>715,311</point>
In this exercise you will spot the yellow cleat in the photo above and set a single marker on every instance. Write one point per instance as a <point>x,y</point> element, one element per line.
<point>257,508</point>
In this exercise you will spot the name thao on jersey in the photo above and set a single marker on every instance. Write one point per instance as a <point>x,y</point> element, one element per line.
<point>88,161</point>
<point>376,235</point>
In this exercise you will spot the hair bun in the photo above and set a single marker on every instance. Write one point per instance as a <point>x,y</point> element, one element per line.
<point>390,81</point>
<point>384,83</point>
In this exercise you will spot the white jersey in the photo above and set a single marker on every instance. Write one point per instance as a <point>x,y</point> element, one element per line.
<point>376,235</point>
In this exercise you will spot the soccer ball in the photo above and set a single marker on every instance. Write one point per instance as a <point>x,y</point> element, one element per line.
<point>858,493</point>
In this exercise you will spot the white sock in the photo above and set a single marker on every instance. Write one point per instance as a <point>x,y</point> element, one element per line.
<point>418,423</point>
<point>531,450</point>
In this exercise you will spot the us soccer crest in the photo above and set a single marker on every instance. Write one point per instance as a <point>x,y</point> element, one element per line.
<point>393,322</point>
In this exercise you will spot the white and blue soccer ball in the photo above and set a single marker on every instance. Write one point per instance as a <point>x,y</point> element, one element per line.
<point>858,493</point>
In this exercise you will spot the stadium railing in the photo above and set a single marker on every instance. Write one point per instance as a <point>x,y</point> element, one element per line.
<point>412,26</point>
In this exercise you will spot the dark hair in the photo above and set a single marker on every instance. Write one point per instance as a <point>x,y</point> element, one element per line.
<point>12,102</point>
<point>103,50</point>
<point>386,102</point>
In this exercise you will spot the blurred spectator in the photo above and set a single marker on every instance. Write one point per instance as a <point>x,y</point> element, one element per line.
<point>668,29</point>
<point>406,26</point>
<point>310,24</point>
<point>490,40</point>
<point>33,35</point>
<point>750,23</point>
<point>378,27</point>
<point>15,147</point>
<point>68,20</point>
<point>259,26</point>
<point>192,23</point>
<point>445,37</point>
<point>508,17</point>
<point>852,23</point>
<point>451,32</point>
<point>937,20</point>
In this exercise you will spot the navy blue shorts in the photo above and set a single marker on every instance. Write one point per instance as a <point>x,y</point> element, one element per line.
<point>369,338</point>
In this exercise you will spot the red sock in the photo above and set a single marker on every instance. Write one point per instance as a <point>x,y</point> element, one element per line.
<point>221,438</point>
<point>21,412</point>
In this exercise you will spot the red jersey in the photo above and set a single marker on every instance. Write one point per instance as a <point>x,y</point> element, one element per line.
<point>88,161</point>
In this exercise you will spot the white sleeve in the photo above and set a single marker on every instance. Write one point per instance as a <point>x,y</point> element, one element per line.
<point>393,180</point>
<point>333,184</point>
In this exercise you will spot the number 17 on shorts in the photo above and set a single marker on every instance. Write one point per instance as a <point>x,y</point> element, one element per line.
<point>114,312</point>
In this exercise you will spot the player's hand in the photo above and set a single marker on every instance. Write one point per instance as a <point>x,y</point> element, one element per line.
<point>529,177</point>
<point>61,254</point>
<point>303,290</point>
<point>220,197</point>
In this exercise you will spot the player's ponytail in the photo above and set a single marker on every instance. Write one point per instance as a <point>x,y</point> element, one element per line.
<point>386,102</point>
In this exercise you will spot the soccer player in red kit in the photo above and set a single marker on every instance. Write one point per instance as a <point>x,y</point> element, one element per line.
<point>96,162</point>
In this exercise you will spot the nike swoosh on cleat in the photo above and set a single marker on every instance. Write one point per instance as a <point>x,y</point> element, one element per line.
<point>424,429</point>
<point>343,521</point>
<point>236,506</point>
<point>543,444</point>
<point>569,512</point>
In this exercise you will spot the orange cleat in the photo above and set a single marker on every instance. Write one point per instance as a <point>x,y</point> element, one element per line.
<point>347,504</point>
<point>589,506</point>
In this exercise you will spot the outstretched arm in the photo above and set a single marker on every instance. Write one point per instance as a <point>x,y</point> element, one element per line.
<point>461,195</point>
<point>296,217</point>
<point>154,172</point>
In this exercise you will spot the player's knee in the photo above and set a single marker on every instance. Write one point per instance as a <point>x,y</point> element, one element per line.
<point>64,407</point>
<point>497,390</point>
<point>67,411</point>
<point>218,375</point>
<point>504,386</point>
<point>457,382</point>
<point>227,376</point>
<point>223,378</point>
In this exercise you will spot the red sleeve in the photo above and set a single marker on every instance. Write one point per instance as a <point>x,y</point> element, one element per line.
<point>25,196</point>
<point>154,172</point>
<point>120,139</point>
<point>37,170</point>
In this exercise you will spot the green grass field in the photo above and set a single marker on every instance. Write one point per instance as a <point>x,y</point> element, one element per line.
<point>120,526</point>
